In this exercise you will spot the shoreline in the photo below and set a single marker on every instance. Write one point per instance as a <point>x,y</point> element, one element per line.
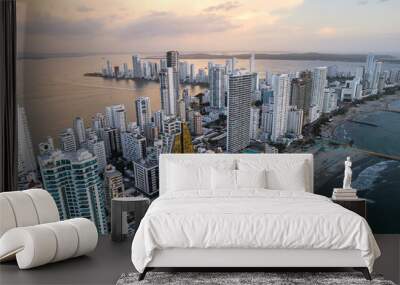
<point>328,159</point>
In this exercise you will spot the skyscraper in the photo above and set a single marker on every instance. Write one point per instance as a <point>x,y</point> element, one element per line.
<point>116,117</point>
<point>239,103</point>
<point>370,70</point>
<point>295,121</point>
<point>252,63</point>
<point>168,91</point>
<point>98,149</point>
<point>197,124</point>
<point>76,195</point>
<point>146,176</point>
<point>112,141</point>
<point>318,87</point>
<point>113,184</point>
<point>133,146</point>
<point>137,66</point>
<point>26,157</point>
<point>281,87</point>
<point>254,122</point>
<point>173,62</point>
<point>80,131</point>
<point>143,111</point>
<point>217,86</point>
<point>67,140</point>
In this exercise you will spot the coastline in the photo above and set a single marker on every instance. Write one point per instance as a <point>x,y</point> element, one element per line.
<point>329,159</point>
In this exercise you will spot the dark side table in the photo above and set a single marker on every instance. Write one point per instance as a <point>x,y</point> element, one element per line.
<point>120,208</point>
<point>358,206</point>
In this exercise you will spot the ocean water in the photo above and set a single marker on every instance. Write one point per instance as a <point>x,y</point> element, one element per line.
<point>377,179</point>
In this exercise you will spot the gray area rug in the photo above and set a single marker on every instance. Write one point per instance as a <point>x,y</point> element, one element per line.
<point>229,278</point>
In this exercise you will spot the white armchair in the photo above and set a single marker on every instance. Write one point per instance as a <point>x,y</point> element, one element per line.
<point>31,231</point>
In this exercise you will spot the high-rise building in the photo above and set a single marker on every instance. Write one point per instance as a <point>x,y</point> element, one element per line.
<point>370,70</point>
<point>252,63</point>
<point>67,140</point>
<point>281,87</point>
<point>80,131</point>
<point>72,180</point>
<point>133,146</point>
<point>112,141</point>
<point>173,62</point>
<point>182,110</point>
<point>197,124</point>
<point>217,86</point>
<point>376,77</point>
<point>99,122</point>
<point>171,126</point>
<point>295,121</point>
<point>116,117</point>
<point>159,117</point>
<point>97,148</point>
<point>318,86</point>
<point>137,66</point>
<point>254,122</point>
<point>267,118</point>
<point>143,111</point>
<point>192,73</point>
<point>113,184</point>
<point>239,103</point>
<point>146,176</point>
<point>26,156</point>
<point>168,91</point>
<point>330,100</point>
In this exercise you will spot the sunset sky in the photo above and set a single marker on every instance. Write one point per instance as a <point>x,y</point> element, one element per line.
<point>81,26</point>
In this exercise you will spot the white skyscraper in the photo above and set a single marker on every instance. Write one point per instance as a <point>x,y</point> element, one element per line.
<point>80,131</point>
<point>281,88</point>
<point>113,184</point>
<point>146,176</point>
<point>137,66</point>
<point>370,69</point>
<point>267,118</point>
<point>254,122</point>
<point>68,141</point>
<point>295,121</point>
<point>252,63</point>
<point>318,86</point>
<point>376,75</point>
<point>133,146</point>
<point>143,111</point>
<point>167,91</point>
<point>116,117</point>
<point>26,157</point>
<point>159,117</point>
<point>217,86</point>
<point>97,148</point>
<point>239,103</point>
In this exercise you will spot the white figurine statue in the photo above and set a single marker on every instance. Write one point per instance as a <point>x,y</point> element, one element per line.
<point>347,174</point>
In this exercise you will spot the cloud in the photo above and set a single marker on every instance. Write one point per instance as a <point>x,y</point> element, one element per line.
<point>167,24</point>
<point>84,9</point>
<point>55,26</point>
<point>383,1</point>
<point>327,32</point>
<point>362,2</point>
<point>227,6</point>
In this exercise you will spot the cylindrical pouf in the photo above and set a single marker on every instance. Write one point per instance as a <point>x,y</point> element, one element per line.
<point>67,240</point>
<point>87,235</point>
<point>46,208</point>
<point>7,218</point>
<point>34,246</point>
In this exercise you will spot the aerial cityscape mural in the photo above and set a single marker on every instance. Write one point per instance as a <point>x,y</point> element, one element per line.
<point>92,125</point>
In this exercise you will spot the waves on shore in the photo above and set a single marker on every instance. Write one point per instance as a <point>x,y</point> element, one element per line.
<point>367,177</point>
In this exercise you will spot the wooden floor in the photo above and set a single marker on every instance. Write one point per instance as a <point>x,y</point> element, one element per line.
<point>111,259</point>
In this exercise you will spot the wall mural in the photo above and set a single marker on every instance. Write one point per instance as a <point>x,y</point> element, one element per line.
<point>94,116</point>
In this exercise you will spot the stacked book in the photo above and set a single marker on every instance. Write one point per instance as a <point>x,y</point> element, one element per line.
<point>344,194</point>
